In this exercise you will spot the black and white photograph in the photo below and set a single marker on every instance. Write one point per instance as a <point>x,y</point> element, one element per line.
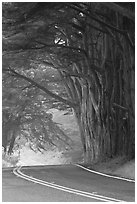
<point>68,101</point>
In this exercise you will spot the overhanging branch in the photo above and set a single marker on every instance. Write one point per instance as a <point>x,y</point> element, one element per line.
<point>67,102</point>
<point>123,11</point>
<point>61,46</point>
<point>95,18</point>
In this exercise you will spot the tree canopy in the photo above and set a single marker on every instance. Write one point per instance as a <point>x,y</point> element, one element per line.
<point>90,46</point>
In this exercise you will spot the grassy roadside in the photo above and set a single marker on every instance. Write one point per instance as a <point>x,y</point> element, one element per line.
<point>118,166</point>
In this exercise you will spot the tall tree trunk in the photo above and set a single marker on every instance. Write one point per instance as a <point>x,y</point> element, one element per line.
<point>107,126</point>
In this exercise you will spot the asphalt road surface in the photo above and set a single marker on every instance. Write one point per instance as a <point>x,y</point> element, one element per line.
<point>62,183</point>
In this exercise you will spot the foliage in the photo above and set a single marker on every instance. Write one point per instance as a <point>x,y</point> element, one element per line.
<point>91,46</point>
<point>25,115</point>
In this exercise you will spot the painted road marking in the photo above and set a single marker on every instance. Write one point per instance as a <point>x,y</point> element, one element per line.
<point>103,174</point>
<point>18,173</point>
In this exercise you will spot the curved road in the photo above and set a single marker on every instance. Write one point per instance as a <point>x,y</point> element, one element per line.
<point>62,183</point>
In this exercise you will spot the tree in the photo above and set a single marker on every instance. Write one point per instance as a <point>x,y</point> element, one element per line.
<point>91,45</point>
<point>25,116</point>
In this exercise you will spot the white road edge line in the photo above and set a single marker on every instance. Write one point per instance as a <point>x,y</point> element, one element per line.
<point>103,174</point>
<point>32,179</point>
<point>18,173</point>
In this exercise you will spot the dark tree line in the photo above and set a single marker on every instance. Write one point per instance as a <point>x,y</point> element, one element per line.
<point>91,45</point>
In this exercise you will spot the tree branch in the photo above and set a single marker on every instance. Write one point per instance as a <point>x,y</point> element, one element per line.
<point>119,106</point>
<point>71,104</point>
<point>91,16</point>
<point>61,46</point>
<point>123,11</point>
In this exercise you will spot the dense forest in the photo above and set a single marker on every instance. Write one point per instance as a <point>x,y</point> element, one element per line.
<point>77,56</point>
